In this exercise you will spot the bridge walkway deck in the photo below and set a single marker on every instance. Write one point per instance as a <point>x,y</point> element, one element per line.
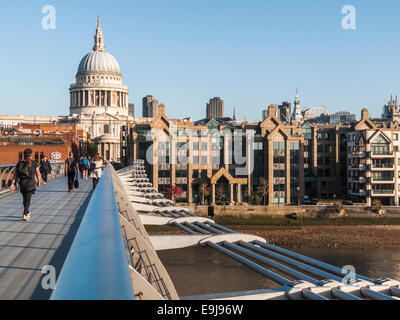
<point>25,247</point>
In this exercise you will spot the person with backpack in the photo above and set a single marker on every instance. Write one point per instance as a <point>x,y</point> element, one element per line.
<point>45,169</point>
<point>25,172</point>
<point>71,171</point>
<point>85,167</point>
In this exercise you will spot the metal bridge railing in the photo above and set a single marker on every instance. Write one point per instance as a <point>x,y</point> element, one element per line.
<point>7,173</point>
<point>96,267</point>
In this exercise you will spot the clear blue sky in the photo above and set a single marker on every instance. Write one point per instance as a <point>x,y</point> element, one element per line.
<point>251,53</point>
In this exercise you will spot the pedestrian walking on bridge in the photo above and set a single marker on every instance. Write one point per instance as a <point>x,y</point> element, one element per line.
<point>25,172</point>
<point>45,169</point>
<point>71,171</point>
<point>96,171</point>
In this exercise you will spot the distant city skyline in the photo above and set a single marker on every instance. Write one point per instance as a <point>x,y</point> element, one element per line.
<point>257,57</point>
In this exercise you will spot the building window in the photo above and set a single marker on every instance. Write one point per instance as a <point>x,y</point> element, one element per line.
<point>279,159</point>
<point>279,146</point>
<point>307,131</point>
<point>204,160</point>
<point>279,173</point>
<point>181,146</point>
<point>204,146</point>
<point>163,145</point>
<point>258,146</point>
<point>294,146</point>
<point>279,187</point>
<point>279,200</point>
<point>195,146</point>
<point>319,136</point>
<point>106,128</point>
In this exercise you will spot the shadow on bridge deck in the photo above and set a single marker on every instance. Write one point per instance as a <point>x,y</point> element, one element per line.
<point>25,247</point>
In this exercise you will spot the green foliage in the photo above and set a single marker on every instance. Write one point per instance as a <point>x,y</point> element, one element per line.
<point>376,205</point>
<point>338,206</point>
<point>91,150</point>
<point>255,200</point>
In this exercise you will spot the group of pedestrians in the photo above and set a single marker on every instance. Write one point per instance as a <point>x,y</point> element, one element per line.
<point>93,168</point>
<point>29,174</point>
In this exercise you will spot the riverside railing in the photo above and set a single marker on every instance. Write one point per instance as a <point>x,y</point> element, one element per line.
<point>96,267</point>
<point>7,173</point>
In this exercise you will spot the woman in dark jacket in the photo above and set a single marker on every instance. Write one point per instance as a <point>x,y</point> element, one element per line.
<point>45,168</point>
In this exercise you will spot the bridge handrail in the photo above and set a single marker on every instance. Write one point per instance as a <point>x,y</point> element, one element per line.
<point>96,267</point>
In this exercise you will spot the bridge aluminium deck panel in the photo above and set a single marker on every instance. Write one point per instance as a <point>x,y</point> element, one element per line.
<point>26,247</point>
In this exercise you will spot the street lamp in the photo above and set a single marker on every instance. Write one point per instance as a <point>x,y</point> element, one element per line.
<point>298,196</point>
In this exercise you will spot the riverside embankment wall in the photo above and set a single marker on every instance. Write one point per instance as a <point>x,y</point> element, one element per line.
<point>307,211</point>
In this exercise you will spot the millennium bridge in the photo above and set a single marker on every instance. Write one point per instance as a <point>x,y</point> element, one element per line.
<point>99,248</point>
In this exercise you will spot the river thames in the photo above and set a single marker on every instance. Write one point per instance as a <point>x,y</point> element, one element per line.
<point>197,271</point>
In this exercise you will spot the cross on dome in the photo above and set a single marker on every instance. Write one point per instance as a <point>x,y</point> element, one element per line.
<point>99,37</point>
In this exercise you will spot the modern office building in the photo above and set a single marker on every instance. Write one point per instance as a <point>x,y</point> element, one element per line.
<point>131,109</point>
<point>150,107</point>
<point>215,108</point>
<point>285,112</point>
<point>342,117</point>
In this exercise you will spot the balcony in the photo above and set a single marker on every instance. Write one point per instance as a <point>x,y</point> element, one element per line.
<point>358,167</point>
<point>382,180</point>
<point>356,192</point>
<point>357,154</point>
<point>382,154</point>
<point>382,168</point>
<point>357,179</point>
<point>383,192</point>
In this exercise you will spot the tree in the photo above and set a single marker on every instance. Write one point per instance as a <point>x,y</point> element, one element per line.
<point>220,191</point>
<point>204,189</point>
<point>91,149</point>
<point>264,188</point>
<point>174,192</point>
